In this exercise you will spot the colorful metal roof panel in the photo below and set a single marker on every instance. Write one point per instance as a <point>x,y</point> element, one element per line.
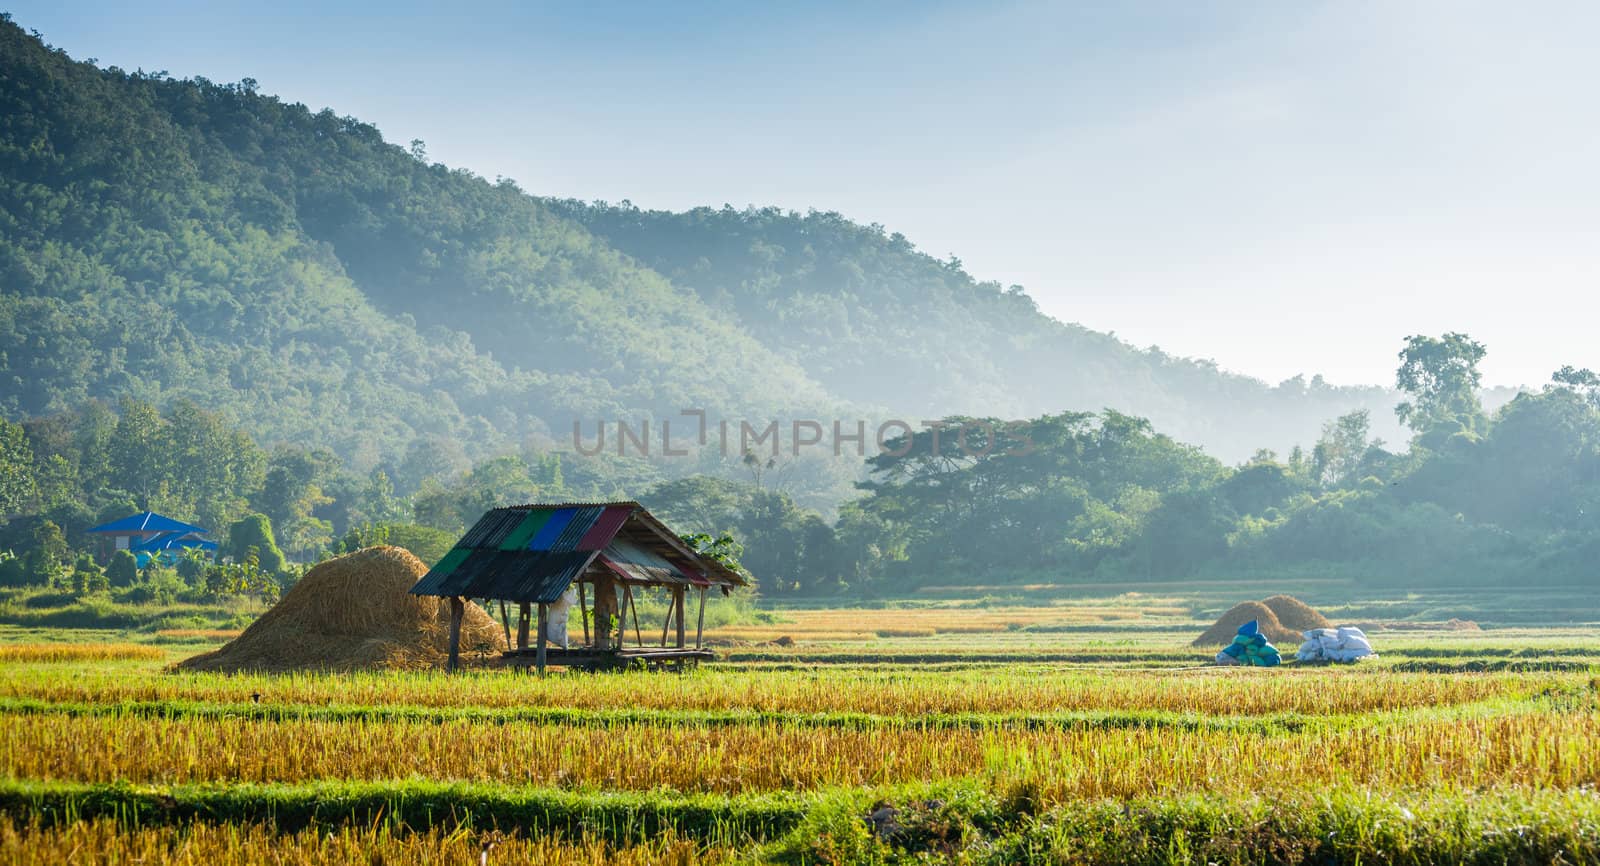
<point>532,553</point>
<point>634,562</point>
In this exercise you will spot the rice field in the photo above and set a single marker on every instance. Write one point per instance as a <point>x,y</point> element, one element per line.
<point>1072,730</point>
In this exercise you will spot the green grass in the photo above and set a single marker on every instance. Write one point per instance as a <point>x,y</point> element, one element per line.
<point>977,826</point>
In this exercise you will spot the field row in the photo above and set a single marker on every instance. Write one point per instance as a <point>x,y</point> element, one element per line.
<point>455,824</point>
<point>1213,691</point>
<point>208,844</point>
<point>1266,723</point>
<point>1541,749</point>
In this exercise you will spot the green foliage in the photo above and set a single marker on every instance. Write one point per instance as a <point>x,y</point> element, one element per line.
<point>1441,376</point>
<point>87,577</point>
<point>47,556</point>
<point>763,532</point>
<point>250,538</point>
<point>192,565</point>
<point>723,548</point>
<point>245,578</point>
<point>1340,450</point>
<point>16,477</point>
<point>123,569</point>
<point>425,542</point>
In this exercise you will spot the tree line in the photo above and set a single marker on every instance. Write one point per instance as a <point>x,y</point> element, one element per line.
<point>1101,496</point>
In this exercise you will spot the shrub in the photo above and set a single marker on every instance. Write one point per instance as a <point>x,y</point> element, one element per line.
<point>88,577</point>
<point>123,569</point>
<point>254,531</point>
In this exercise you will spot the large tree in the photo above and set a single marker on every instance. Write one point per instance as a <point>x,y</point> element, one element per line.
<point>1441,376</point>
<point>16,475</point>
<point>1339,451</point>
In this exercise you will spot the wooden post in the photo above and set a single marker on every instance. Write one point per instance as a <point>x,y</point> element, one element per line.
<point>522,627</point>
<point>619,590</point>
<point>457,610</point>
<point>638,636</point>
<point>700,627</point>
<point>677,602</point>
<point>667,622</point>
<point>505,622</point>
<point>544,631</point>
<point>583,613</point>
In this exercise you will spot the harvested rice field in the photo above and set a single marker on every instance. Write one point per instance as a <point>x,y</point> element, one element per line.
<point>1074,730</point>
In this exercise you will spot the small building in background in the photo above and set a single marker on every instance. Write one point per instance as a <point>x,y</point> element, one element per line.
<point>148,535</point>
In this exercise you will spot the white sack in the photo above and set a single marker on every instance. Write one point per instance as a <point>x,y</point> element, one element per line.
<point>555,624</point>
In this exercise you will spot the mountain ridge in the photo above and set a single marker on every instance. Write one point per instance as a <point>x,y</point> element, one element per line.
<point>164,238</point>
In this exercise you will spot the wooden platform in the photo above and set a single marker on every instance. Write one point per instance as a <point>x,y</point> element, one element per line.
<point>600,659</point>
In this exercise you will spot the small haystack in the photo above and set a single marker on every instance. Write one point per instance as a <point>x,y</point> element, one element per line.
<point>1222,633</point>
<point>1296,615</point>
<point>353,612</point>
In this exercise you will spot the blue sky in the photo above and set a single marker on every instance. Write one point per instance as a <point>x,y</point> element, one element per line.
<point>1282,187</point>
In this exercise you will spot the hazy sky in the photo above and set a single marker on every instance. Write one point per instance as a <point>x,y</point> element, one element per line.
<point>1283,187</point>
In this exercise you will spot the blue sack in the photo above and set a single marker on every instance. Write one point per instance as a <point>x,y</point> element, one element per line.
<point>1250,629</point>
<point>1233,650</point>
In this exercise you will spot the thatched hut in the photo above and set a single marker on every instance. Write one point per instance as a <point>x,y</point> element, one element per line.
<point>532,556</point>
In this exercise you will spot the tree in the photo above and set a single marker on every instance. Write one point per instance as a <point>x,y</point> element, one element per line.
<point>1583,382</point>
<point>1339,451</point>
<point>250,538</point>
<point>192,566</point>
<point>1441,376</point>
<point>88,577</point>
<point>292,492</point>
<point>123,570</point>
<point>426,543</point>
<point>139,458</point>
<point>16,474</point>
<point>49,554</point>
<point>378,502</point>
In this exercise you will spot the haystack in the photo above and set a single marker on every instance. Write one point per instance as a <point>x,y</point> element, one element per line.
<point>1226,627</point>
<point>350,613</point>
<point>1296,615</point>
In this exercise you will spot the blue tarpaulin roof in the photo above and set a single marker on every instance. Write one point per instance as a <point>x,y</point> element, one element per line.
<point>146,521</point>
<point>176,539</point>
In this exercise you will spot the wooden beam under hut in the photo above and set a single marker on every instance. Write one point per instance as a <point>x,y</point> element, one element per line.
<point>583,613</point>
<point>677,604</point>
<point>638,636</point>
<point>700,626</point>
<point>458,609</point>
<point>544,634</point>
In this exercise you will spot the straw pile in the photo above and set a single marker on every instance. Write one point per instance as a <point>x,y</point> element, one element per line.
<point>1296,615</point>
<point>1222,633</point>
<point>350,613</point>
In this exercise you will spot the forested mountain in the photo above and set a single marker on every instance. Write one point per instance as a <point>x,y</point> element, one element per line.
<point>879,322</point>
<point>163,239</point>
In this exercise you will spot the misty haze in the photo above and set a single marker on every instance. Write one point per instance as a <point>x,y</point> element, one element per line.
<point>642,433</point>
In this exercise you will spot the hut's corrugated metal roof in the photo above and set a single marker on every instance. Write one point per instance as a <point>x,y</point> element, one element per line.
<point>534,552</point>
